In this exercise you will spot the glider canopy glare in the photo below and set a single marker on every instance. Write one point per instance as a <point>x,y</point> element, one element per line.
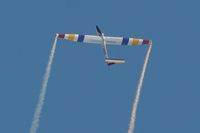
<point>104,40</point>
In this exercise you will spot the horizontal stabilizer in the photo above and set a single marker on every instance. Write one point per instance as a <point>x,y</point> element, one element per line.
<point>114,61</point>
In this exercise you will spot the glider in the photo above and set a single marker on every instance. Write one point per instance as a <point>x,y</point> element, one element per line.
<point>103,41</point>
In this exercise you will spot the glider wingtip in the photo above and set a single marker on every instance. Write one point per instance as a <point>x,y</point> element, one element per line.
<point>151,42</point>
<point>57,35</point>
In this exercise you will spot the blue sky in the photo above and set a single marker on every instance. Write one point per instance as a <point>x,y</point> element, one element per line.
<point>84,94</point>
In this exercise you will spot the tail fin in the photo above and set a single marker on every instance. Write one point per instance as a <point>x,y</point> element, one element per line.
<point>99,33</point>
<point>114,61</point>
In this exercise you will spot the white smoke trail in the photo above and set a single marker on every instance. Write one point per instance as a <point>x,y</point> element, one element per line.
<point>36,117</point>
<point>135,105</point>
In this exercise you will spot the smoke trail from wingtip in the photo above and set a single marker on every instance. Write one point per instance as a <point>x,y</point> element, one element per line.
<point>135,105</point>
<point>38,110</point>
